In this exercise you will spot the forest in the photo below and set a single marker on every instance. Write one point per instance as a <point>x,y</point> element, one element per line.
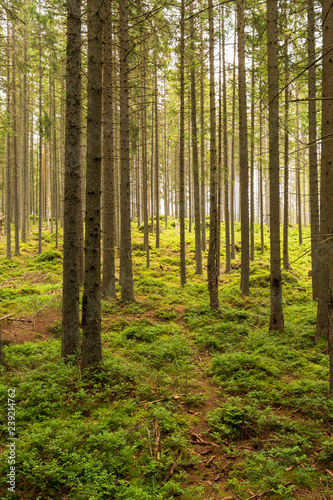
<point>166,250</point>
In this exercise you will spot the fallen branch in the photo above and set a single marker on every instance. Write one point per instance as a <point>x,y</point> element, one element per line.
<point>6,317</point>
<point>39,310</point>
<point>176,396</point>
<point>171,473</point>
<point>260,495</point>
<point>24,320</point>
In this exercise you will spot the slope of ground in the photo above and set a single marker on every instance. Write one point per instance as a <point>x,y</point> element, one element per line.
<point>189,403</point>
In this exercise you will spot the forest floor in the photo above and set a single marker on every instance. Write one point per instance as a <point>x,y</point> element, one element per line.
<point>189,404</point>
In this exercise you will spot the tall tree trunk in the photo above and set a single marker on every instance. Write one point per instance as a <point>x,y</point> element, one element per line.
<point>195,157</point>
<point>182,148</point>
<point>15,150</point>
<point>276,316</point>
<point>243,153</point>
<point>261,194</point>
<point>232,167</point>
<point>225,157</point>
<point>91,303</point>
<point>108,214</point>
<point>25,210</point>
<point>127,289</point>
<point>202,145</point>
<point>157,166</point>
<point>144,161</point>
<point>252,159</point>
<point>286,264</point>
<point>70,342</point>
<point>213,247</point>
<point>298,174</point>
<point>327,154</point>
<point>313,165</point>
<point>8,155</point>
<point>40,151</point>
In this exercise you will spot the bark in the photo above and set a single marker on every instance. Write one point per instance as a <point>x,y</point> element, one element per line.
<point>202,145</point>
<point>108,214</point>
<point>243,153</point>
<point>40,151</point>
<point>252,162</point>
<point>15,150</point>
<point>182,148</point>
<point>313,163</point>
<point>261,194</point>
<point>144,162</point>
<point>212,251</point>
<point>8,156</point>
<point>70,342</point>
<point>195,158</point>
<point>25,209</point>
<point>276,314</point>
<point>298,174</point>
<point>157,166</point>
<point>225,157</point>
<point>286,264</point>
<point>327,167</point>
<point>232,167</point>
<point>127,289</point>
<point>91,303</point>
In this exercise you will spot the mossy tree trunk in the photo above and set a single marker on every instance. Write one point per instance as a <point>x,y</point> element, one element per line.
<point>91,304</point>
<point>70,342</point>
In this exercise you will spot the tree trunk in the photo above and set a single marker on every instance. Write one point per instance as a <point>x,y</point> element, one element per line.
<point>195,157</point>
<point>232,167</point>
<point>127,289</point>
<point>286,264</point>
<point>182,148</point>
<point>243,153</point>
<point>213,247</point>
<point>276,315</point>
<point>157,166</point>
<point>91,303</point>
<point>108,214</point>
<point>202,145</point>
<point>298,174</point>
<point>15,150</point>
<point>313,164</point>
<point>225,157</point>
<point>144,162</point>
<point>40,155</point>
<point>8,155</point>
<point>327,170</point>
<point>70,342</point>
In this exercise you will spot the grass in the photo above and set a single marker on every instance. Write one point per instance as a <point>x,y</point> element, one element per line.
<point>189,403</point>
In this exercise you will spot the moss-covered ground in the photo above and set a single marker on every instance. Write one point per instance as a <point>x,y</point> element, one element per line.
<point>190,404</point>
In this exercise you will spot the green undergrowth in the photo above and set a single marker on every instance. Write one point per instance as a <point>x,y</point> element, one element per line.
<point>171,367</point>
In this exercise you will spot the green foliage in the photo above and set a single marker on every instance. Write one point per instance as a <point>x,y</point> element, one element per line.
<point>48,255</point>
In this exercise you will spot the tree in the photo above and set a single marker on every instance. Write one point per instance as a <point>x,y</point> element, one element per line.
<point>126,273</point>
<point>195,157</point>
<point>313,166</point>
<point>243,153</point>
<point>70,342</point>
<point>276,314</point>
<point>212,271</point>
<point>327,154</point>
<point>108,202</point>
<point>182,147</point>
<point>91,302</point>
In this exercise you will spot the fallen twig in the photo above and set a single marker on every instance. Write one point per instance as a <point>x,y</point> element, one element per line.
<point>39,310</point>
<point>157,431</point>
<point>260,495</point>
<point>6,317</point>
